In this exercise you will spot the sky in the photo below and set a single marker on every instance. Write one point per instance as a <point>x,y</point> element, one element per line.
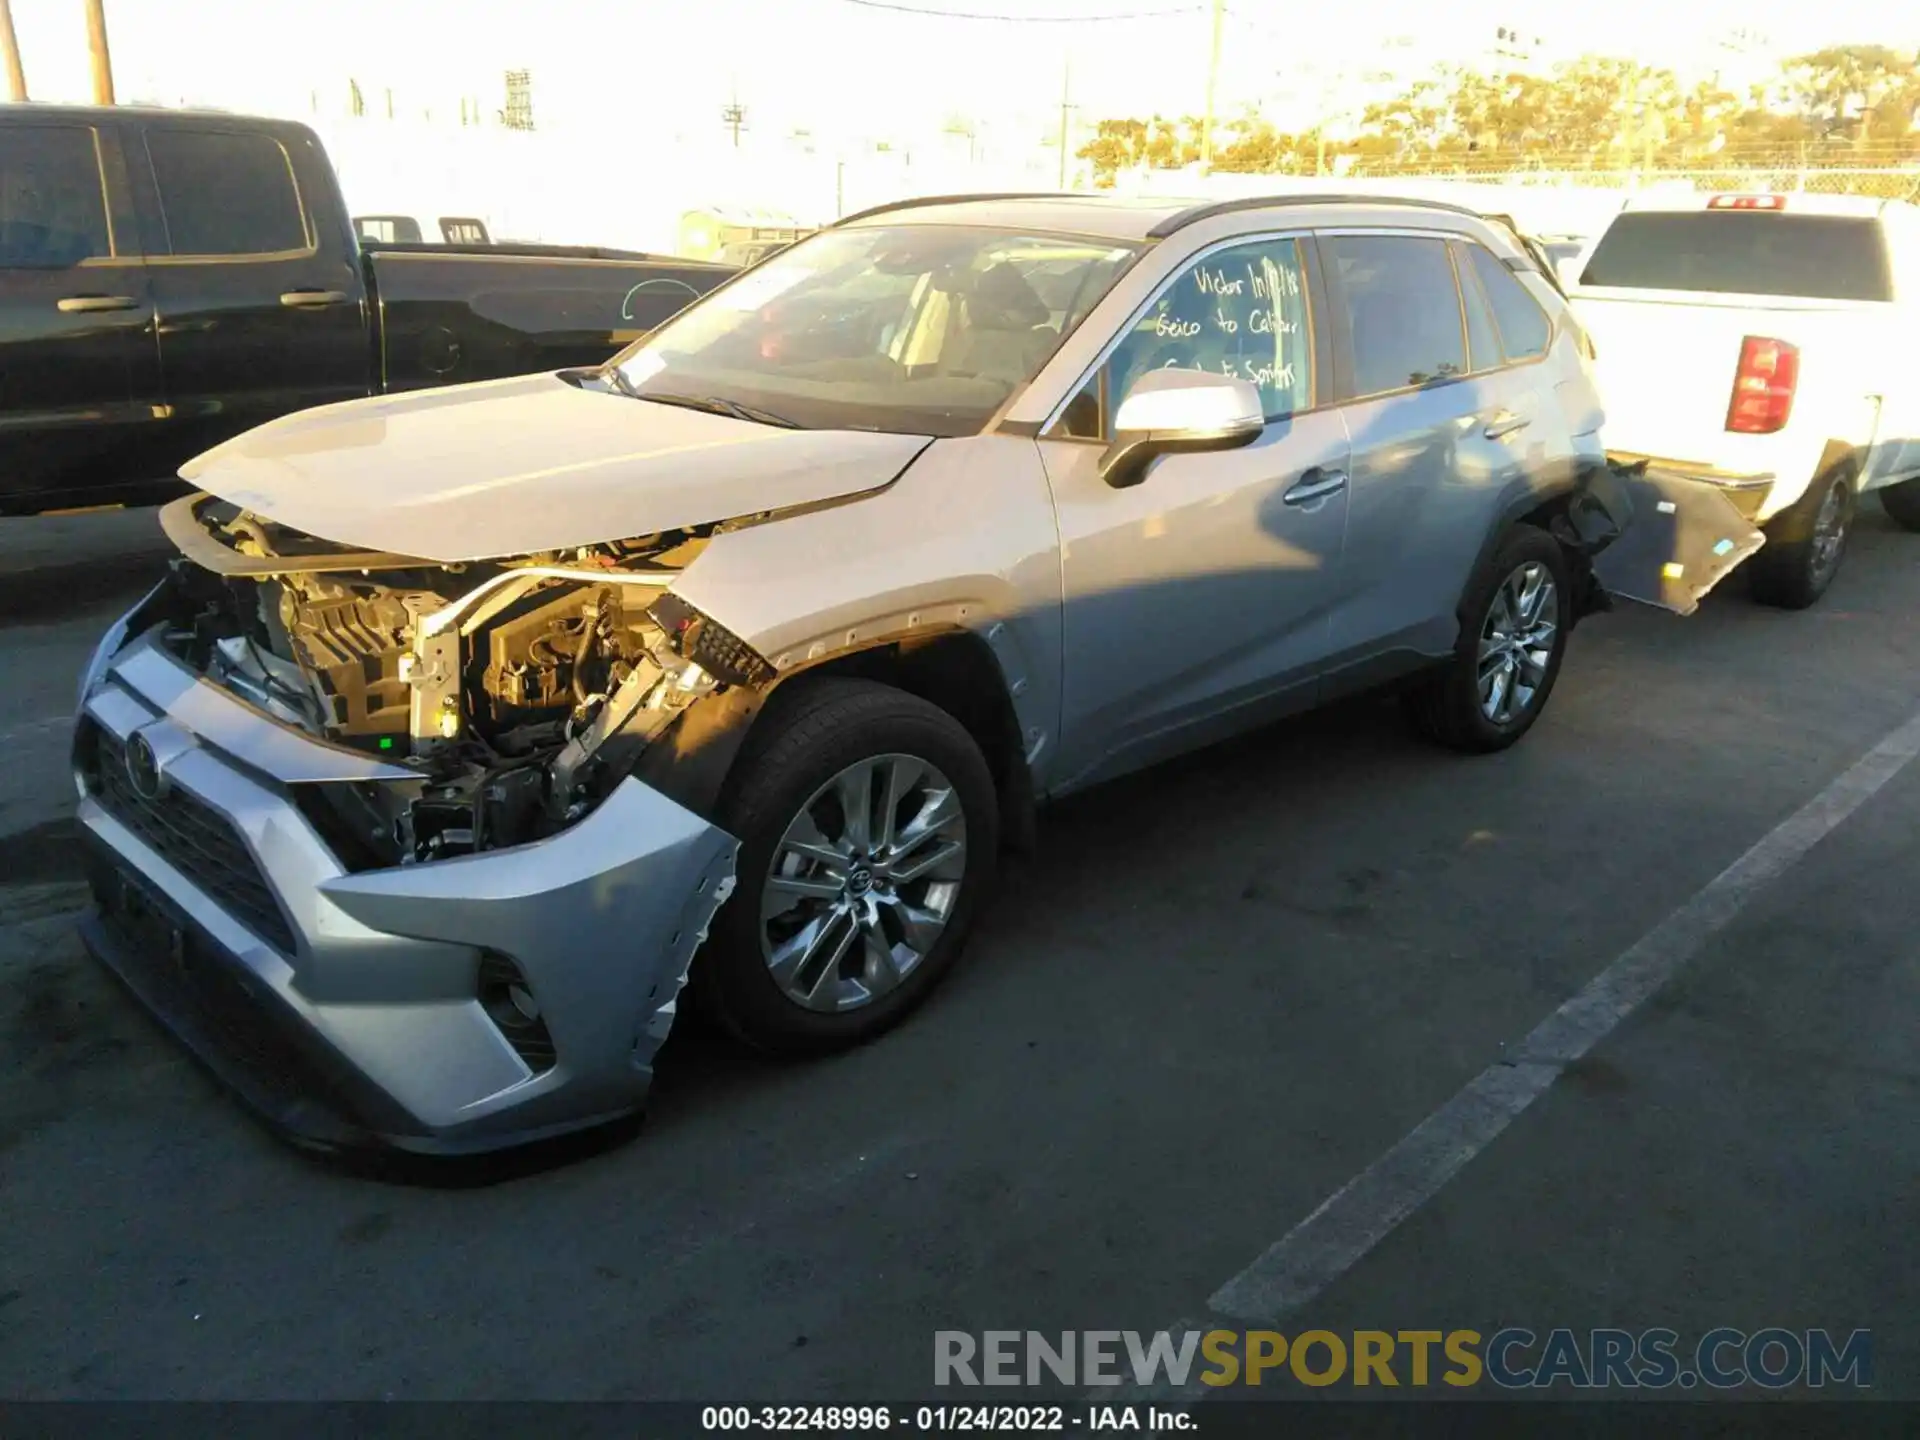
<point>647,69</point>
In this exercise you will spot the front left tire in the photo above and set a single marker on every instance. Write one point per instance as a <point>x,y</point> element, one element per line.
<point>869,833</point>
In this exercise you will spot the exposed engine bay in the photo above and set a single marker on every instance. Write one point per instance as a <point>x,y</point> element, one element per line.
<point>521,691</point>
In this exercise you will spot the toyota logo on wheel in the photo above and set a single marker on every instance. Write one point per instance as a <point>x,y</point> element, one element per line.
<point>143,768</point>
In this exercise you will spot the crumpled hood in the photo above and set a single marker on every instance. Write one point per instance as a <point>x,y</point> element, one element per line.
<point>510,467</point>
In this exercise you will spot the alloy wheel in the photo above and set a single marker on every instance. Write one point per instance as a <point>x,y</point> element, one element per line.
<point>1829,533</point>
<point>863,882</point>
<point>1516,642</point>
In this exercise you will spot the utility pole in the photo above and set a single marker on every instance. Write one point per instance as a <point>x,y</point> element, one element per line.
<point>1213,77</point>
<point>1066,93</point>
<point>734,117</point>
<point>97,50</point>
<point>10,44</point>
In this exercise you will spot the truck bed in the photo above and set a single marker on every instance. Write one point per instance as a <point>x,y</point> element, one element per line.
<point>446,314</point>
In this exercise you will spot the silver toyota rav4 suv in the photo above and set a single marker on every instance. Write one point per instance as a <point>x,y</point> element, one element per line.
<point>472,724</point>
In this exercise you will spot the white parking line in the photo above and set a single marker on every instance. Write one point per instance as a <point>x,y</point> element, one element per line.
<point>1363,1212</point>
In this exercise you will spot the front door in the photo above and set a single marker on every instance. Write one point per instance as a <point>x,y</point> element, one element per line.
<point>258,318</point>
<point>1195,603</point>
<point>79,376</point>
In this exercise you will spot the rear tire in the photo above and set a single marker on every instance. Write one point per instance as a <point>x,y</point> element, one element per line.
<point>838,927</point>
<point>1902,504</point>
<point>1805,544</point>
<point>1513,635</point>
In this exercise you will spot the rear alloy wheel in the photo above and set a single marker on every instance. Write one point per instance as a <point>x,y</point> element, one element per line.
<point>1805,544</point>
<point>868,833</point>
<point>1902,504</point>
<point>1513,633</point>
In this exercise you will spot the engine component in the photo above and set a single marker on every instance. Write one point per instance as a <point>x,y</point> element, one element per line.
<point>709,644</point>
<point>351,639</point>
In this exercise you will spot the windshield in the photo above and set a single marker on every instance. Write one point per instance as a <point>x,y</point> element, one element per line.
<point>918,329</point>
<point>1743,252</point>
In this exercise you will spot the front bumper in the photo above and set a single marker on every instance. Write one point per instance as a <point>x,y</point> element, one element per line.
<point>345,1007</point>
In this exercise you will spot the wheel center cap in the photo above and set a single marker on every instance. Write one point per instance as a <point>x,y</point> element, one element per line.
<point>859,880</point>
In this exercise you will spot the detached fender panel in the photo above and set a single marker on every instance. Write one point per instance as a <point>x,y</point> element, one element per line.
<point>1683,536</point>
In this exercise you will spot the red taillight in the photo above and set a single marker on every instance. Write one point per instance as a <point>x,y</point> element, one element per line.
<point>1763,386</point>
<point>1747,202</point>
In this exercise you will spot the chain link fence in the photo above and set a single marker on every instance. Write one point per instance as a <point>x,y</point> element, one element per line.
<point>1879,182</point>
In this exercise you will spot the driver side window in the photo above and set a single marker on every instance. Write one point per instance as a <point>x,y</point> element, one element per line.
<point>1240,312</point>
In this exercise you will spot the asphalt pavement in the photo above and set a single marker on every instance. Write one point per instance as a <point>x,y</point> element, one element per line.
<point>1221,992</point>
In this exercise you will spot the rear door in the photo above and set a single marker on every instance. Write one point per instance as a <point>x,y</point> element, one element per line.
<point>258,317</point>
<point>1443,434</point>
<point>79,376</point>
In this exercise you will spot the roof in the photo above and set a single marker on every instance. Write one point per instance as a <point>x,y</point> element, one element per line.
<point>34,112</point>
<point>1108,217</point>
<point>1795,202</point>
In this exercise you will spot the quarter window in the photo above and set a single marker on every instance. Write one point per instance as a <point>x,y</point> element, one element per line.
<point>1524,327</point>
<point>1403,310</point>
<point>1483,336</point>
<point>52,213</point>
<point>226,194</point>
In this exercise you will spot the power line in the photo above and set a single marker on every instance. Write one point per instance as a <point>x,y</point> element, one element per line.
<point>1022,19</point>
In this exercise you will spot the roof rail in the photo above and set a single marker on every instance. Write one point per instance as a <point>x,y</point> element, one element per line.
<point>1197,213</point>
<point>957,200</point>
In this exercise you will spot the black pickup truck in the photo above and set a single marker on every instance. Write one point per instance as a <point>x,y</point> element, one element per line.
<point>171,278</point>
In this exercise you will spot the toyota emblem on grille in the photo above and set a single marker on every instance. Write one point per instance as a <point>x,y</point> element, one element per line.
<point>143,768</point>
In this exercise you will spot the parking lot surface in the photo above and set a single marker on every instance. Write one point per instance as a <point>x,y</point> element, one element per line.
<point>1222,990</point>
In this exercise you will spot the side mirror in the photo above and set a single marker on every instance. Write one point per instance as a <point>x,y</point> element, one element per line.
<point>1171,412</point>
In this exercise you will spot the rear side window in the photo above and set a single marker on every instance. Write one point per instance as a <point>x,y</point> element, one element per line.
<point>1524,327</point>
<point>52,211</point>
<point>1743,252</point>
<point>1403,309</point>
<point>226,194</point>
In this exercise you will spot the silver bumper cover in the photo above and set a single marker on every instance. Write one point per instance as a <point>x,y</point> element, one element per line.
<point>345,1006</point>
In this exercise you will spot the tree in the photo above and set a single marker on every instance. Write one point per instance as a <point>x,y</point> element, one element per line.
<point>1159,143</point>
<point>1597,110</point>
<point>1116,146</point>
<point>1845,89</point>
<point>1257,149</point>
<point>1416,121</point>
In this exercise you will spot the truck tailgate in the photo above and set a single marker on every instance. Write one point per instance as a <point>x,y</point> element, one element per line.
<point>1666,362</point>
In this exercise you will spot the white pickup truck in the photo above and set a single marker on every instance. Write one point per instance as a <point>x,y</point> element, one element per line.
<point>1765,343</point>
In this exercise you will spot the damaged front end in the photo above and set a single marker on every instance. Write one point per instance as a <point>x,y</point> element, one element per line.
<point>518,692</point>
<point>365,832</point>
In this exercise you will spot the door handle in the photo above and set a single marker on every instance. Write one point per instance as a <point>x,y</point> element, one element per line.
<point>1315,484</point>
<point>305,299</point>
<point>92,304</point>
<point>1504,424</point>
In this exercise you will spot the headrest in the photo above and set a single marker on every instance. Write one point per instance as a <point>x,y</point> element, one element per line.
<point>1002,299</point>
